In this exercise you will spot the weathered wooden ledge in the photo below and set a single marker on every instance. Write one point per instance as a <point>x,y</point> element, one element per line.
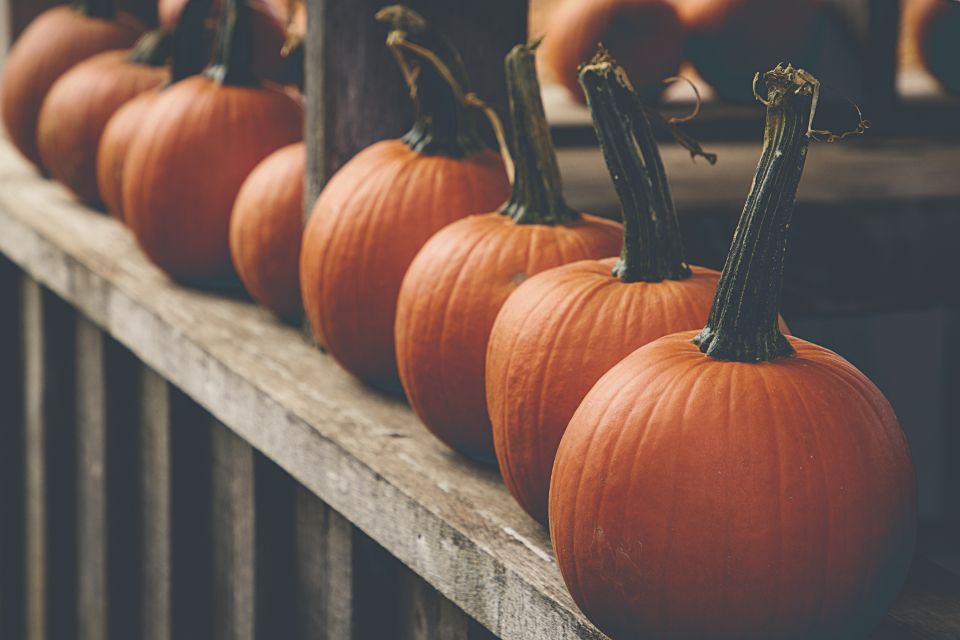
<point>365,455</point>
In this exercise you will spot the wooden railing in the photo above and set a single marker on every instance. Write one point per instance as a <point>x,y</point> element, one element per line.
<point>177,464</point>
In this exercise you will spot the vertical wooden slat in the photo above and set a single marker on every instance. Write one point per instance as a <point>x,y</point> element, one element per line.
<point>432,616</point>
<point>950,482</point>
<point>355,95</point>
<point>50,461</point>
<point>155,491</point>
<point>234,603</point>
<point>191,539</point>
<point>91,484</point>
<point>325,560</point>
<point>11,453</point>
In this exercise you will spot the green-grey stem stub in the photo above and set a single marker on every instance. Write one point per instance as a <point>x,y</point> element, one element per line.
<point>744,320</point>
<point>153,48</point>
<point>537,196</point>
<point>233,56</point>
<point>105,9</point>
<point>652,246</point>
<point>444,125</point>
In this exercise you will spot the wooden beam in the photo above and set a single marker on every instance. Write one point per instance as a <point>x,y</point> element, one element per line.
<point>355,95</point>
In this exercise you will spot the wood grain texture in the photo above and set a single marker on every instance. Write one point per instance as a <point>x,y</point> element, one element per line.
<point>324,543</point>
<point>355,94</point>
<point>154,489</point>
<point>365,455</point>
<point>11,454</point>
<point>234,558</point>
<point>91,482</point>
<point>49,458</point>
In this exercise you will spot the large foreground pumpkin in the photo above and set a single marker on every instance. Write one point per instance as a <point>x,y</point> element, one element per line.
<point>380,207</point>
<point>191,52</point>
<point>737,483</point>
<point>564,328</point>
<point>266,228</point>
<point>79,104</point>
<point>199,141</point>
<point>457,283</point>
<point>55,41</point>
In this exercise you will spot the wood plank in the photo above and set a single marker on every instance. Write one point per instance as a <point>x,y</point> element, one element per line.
<point>49,458</point>
<point>364,455</point>
<point>325,580</point>
<point>11,454</point>
<point>234,558</point>
<point>155,490</point>
<point>91,482</point>
<point>351,105</point>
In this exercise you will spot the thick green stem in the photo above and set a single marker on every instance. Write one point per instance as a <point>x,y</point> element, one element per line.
<point>445,124</point>
<point>232,62</point>
<point>191,44</point>
<point>153,48</point>
<point>652,247</point>
<point>537,196</point>
<point>105,9</point>
<point>743,323</point>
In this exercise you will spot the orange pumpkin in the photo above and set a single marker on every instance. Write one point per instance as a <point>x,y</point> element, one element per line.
<point>938,35</point>
<point>266,229</point>
<point>457,283</point>
<point>737,483</point>
<point>79,104</point>
<point>55,41</point>
<point>380,208</point>
<point>269,18</point>
<point>199,141</point>
<point>731,40</point>
<point>190,54</point>
<point>646,36</point>
<point>564,328</point>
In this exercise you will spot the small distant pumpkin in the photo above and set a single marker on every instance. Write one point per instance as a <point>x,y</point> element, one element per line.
<point>55,41</point>
<point>79,104</point>
<point>646,36</point>
<point>564,328</point>
<point>457,283</point>
<point>379,209</point>
<point>266,227</point>
<point>200,139</point>
<point>736,483</point>
<point>938,35</point>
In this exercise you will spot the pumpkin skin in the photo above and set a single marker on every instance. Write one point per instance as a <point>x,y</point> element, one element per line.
<point>731,40</point>
<point>115,141</point>
<point>938,31</point>
<point>733,500</point>
<point>266,228</point>
<point>76,110</point>
<point>55,41</point>
<point>198,142</point>
<point>449,300</point>
<point>646,36</point>
<point>366,227</point>
<point>555,336</point>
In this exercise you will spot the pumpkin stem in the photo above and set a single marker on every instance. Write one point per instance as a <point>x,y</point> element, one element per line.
<point>105,9</point>
<point>446,122</point>
<point>537,196</point>
<point>652,247</point>
<point>191,46</point>
<point>232,62</point>
<point>743,323</point>
<point>152,49</point>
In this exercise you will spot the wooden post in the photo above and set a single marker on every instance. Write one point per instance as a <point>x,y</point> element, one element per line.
<point>234,600</point>
<point>355,94</point>
<point>325,580</point>
<point>11,453</point>
<point>49,458</point>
